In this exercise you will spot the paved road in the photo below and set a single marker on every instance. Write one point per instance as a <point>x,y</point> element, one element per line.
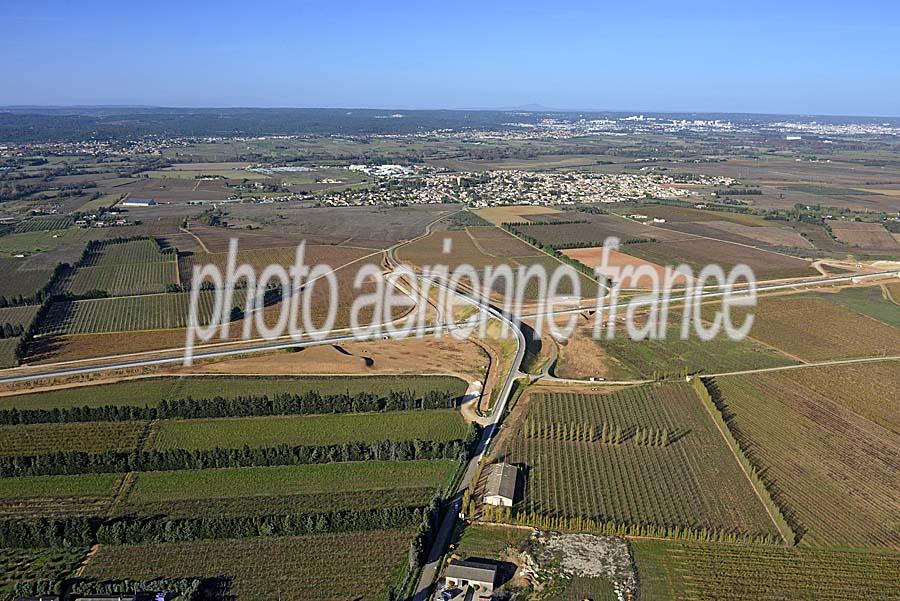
<point>448,523</point>
<point>116,363</point>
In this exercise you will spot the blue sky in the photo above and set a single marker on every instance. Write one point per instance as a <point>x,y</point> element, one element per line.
<point>779,57</point>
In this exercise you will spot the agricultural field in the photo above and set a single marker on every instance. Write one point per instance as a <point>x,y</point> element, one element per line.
<point>414,496</point>
<point>44,224</point>
<point>367,227</point>
<point>333,256</point>
<point>122,268</point>
<point>31,565</point>
<point>814,328</point>
<point>686,215</point>
<point>21,281</point>
<point>467,250</point>
<point>121,280</point>
<point>289,568</point>
<point>227,483</point>
<point>488,541</point>
<point>863,235</point>
<point>644,455</point>
<point>436,425</point>
<point>149,391</point>
<point>699,252</point>
<point>429,251</point>
<point>87,437</point>
<point>510,214</point>
<point>868,300</point>
<point>630,358</point>
<point>836,473</point>
<point>760,235</point>
<point>594,231</point>
<point>592,258</point>
<point>500,243</point>
<point>8,356</point>
<point>583,587</point>
<point>130,313</point>
<point>689,571</point>
<point>19,315</point>
<point>49,487</point>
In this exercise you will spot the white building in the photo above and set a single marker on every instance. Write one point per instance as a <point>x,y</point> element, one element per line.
<point>500,488</point>
<point>138,202</point>
<point>463,576</point>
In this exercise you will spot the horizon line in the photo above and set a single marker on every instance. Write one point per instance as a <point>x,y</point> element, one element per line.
<point>519,109</point>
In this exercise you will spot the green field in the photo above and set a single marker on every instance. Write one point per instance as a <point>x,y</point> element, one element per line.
<point>419,496</point>
<point>644,455</point>
<point>31,565</point>
<point>290,480</point>
<point>87,485</point>
<point>489,541</point>
<point>122,280</point>
<point>87,437</point>
<point>8,352</point>
<point>19,315</point>
<point>868,301</point>
<point>632,358</point>
<point>358,565</point>
<point>679,571</point>
<point>437,425</point>
<point>581,587</point>
<point>149,391</point>
<point>125,268</point>
<point>129,313</point>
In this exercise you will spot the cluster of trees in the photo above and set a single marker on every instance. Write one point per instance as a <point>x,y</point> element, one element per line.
<point>425,536</point>
<point>47,532</point>
<point>10,330</point>
<point>508,515</point>
<point>653,437</point>
<point>83,532</point>
<point>606,434</point>
<point>306,403</point>
<point>187,589</point>
<point>76,462</point>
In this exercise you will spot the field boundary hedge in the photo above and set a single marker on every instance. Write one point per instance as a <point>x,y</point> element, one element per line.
<point>84,532</point>
<point>77,462</point>
<point>309,403</point>
<point>504,515</point>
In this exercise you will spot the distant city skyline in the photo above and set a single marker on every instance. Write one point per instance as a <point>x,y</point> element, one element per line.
<point>799,58</point>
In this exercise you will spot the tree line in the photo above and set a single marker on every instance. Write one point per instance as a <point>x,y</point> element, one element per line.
<point>187,589</point>
<point>306,403</point>
<point>129,530</point>
<point>9,330</point>
<point>77,462</point>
